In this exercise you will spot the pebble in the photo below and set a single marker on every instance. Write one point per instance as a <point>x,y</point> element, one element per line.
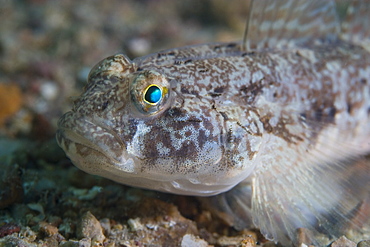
<point>364,243</point>
<point>90,228</point>
<point>10,185</point>
<point>10,100</point>
<point>76,243</point>
<point>189,240</point>
<point>135,224</point>
<point>49,90</point>
<point>243,241</point>
<point>343,242</point>
<point>48,229</point>
<point>106,225</point>
<point>9,228</point>
<point>87,194</point>
<point>248,241</point>
<point>15,241</point>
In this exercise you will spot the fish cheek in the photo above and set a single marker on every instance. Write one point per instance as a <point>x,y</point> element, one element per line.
<point>241,142</point>
<point>179,147</point>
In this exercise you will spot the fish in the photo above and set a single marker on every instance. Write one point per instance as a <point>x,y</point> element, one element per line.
<point>273,129</point>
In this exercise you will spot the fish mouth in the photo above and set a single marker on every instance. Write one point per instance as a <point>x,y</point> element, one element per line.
<point>92,145</point>
<point>89,156</point>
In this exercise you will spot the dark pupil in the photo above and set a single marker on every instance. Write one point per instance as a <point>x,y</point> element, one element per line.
<point>153,95</point>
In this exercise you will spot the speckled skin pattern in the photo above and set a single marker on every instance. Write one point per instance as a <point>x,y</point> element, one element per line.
<point>288,117</point>
<point>222,104</point>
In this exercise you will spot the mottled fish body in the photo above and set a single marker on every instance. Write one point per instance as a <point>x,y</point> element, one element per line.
<point>285,112</point>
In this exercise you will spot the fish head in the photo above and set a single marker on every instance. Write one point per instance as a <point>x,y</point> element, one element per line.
<point>135,127</point>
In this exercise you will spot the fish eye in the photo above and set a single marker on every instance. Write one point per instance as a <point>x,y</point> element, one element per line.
<point>152,94</point>
<point>149,91</point>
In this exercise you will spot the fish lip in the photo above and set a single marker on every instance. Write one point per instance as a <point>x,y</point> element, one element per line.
<point>91,157</point>
<point>81,133</point>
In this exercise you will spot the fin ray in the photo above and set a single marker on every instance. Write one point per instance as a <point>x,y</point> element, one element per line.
<point>306,194</point>
<point>355,26</point>
<point>301,189</point>
<point>275,23</point>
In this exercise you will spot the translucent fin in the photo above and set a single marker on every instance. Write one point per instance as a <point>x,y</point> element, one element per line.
<point>234,206</point>
<point>325,200</point>
<point>274,23</point>
<point>294,192</point>
<point>356,22</point>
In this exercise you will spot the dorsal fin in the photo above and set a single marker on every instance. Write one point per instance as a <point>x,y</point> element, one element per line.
<point>356,23</point>
<point>274,23</point>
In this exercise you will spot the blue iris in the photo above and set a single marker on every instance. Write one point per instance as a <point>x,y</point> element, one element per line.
<point>153,95</point>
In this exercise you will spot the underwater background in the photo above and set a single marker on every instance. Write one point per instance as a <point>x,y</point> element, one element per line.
<point>47,49</point>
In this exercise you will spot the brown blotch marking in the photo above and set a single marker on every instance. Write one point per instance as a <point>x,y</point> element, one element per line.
<point>214,94</point>
<point>175,112</point>
<point>171,53</point>
<point>219,89</point>
<point>150,151</point>
<point>352,107</point>
<point>349,108</point>
<point>217,47</point>
<point>184,90</point>
<point>280,129</point>
<point>231,45</point>
<point>224,115</point>
<point>244,54</point>
<point>250,152</point>
<point>332,112</point>
<point>188,150</point>
<point>188,133</point>
<point>104,105</point>
<point>187,91</point>
<point>323,111</point>
<point>178,136</point>
<point>252,90</point>
<point>232,151</point>
<point>203,70</point>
